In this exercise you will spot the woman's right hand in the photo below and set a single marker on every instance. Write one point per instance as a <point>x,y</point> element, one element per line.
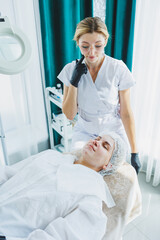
<point>79,69</point>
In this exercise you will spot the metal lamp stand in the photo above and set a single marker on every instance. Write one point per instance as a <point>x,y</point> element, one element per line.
<point>3,141</point>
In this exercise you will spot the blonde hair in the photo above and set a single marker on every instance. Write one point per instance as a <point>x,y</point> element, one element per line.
<point>90,25</point>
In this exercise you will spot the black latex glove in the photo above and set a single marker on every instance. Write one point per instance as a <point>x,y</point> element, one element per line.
<point>135,161</point>
<point>79,69</point>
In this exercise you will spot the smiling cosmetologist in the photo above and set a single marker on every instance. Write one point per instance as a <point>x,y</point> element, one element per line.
<point>98,87</point>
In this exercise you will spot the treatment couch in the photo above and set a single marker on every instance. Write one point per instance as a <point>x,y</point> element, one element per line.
<point>124,187</point>
<point>125,190</point>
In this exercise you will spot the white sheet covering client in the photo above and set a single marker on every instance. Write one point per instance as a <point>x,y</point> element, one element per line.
<point>57,197</point>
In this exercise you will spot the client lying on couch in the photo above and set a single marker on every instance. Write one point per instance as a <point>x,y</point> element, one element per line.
<point>56,196</point>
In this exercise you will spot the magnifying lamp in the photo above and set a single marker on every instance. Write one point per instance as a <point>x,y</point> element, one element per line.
<point>15,53</point>
<point>15,48</point>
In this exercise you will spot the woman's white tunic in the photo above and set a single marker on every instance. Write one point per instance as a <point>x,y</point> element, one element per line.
<point>98,103</point>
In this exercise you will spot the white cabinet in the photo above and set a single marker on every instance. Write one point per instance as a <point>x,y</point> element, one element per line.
<point>58,122</point>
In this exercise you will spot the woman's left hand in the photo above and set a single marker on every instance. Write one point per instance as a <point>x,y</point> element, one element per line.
<point>135,162</point>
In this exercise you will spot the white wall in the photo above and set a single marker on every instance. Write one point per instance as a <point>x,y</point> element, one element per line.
<point>21,95</point>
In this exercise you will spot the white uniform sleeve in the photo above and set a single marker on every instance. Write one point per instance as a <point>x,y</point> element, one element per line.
<point>125,77</point>
<point>87,221</point>
<point>66,73</point>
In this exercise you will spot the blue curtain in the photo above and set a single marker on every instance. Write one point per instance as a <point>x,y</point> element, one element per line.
<point>58,23</point>
<point>59,19</point>
<point>120,19</point>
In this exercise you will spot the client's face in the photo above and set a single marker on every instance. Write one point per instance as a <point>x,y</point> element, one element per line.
<point>98,152</point>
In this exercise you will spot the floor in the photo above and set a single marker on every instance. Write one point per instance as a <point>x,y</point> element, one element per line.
<point>147,225</point>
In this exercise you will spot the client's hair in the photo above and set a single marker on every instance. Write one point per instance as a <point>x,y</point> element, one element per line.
<point>119,153</point>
